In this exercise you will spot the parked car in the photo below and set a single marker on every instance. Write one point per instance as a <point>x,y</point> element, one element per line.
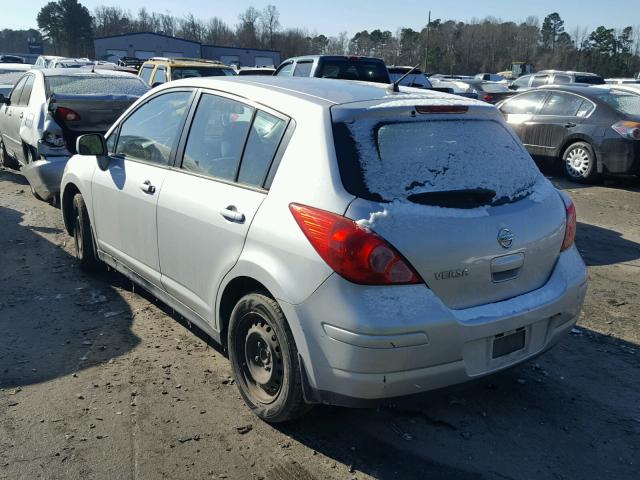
<point>555,77</point>
<point>293,221</point>
<point>256,71</point>
<point>44,61</point>
<point>159,70</point>
<point>616,81</point>
<point>415,79</point>
<point>366,69</point>
<point>490,77</point>
<point>47,110</point>
<point>8,79</point>
<point>11,59</point>
<point>591,130</point>
<point>132,62</point>
<point>490,92</point>
<point>457,87</point>
<point>70,63</point>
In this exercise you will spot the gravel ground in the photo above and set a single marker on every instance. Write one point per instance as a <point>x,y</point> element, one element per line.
<point>100,381</point>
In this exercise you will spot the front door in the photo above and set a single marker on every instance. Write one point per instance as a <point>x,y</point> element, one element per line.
<point>126,194</point>
<point>12,117</point>
<point>520,112</point>
<point>207,205</point>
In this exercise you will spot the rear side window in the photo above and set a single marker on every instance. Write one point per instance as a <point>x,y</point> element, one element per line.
<point>527,103</point>
<point>393,160</point>
<point>365,70</point>
<point>561,104</point>
<point>145,75</point>
<point>217,137</point>
<point>17,91</point>
<point>303,69</point>
<point>539,80</point>
<point>561,79</point>
<point>26,91</point>
<point>522,81</point>
<point>151,132</point>
<point>264,139</point>
<point>590,79</point>
<point>286,70</point>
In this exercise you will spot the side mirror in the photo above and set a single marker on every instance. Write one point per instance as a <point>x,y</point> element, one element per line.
<point>94,144</point>
<point>513,87</point>
<point>3,100</point>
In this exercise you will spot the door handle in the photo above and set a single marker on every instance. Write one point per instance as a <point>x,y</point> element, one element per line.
<point>146,187</point>
<point>231,213</point>
<point>21,114</point>
<point>569,125</point>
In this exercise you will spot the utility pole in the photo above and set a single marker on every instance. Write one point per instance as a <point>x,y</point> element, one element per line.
<point>426,53</point>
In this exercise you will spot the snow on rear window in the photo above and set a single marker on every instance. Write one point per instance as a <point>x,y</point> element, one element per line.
<point>96,85</point>
<point>402,158</point>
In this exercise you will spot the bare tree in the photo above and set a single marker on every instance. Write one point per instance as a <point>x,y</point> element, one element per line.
<point>270,24</point>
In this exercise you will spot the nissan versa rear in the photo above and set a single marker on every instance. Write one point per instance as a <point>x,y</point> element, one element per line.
<point>347,243</point>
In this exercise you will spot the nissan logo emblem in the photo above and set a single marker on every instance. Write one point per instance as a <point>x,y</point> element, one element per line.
<point>505,238</point>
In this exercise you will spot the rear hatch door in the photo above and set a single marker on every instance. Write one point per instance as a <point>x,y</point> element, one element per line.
<point>456,194</point>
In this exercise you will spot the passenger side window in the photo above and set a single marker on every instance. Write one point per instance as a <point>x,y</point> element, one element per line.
<point>561,104</point>
<point>145,75</point>
<point>17,91</point>
<point>264,138</point>
<point>303,69</point>
<point>561,79</point>
<point>286,71</point>
<point>216,137</point>
<point>585,109</point>
<point>527,103</point>
<point>522,81</point>
<point>26,91</point>
<point>161,75</point>
<point>539,80</point>
<point>151,132</point>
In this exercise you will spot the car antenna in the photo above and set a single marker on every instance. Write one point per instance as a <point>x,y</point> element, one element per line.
<point>394,87</point>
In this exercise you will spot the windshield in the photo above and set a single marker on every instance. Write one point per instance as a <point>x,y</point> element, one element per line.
<point>95,85</point>
<point>391,160</point>
<point>624,102</point>
<point>365,70</point>
<point>190,72</point>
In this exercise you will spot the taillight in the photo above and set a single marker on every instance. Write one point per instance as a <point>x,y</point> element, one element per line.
<point>357,254</point>
<point>630,130</point>
<point>488,98</point>
<point>570,230</point>
<point>67,114</point>
<point>442,108</point>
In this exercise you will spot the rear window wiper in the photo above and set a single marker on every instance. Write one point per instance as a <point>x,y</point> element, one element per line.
<point>462,198</point>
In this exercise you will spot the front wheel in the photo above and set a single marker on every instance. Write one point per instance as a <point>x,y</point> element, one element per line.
<point>264,359</point>
<point>82,236</point>
<point>580,163</point>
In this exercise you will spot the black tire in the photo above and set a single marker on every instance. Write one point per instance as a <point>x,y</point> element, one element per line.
<point>579,163</point>
<point>7,161</point>
<point>83,238</point>
<point>264,359</point>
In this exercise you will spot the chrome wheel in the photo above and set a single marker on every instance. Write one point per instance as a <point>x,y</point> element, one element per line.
<point>578,162</point>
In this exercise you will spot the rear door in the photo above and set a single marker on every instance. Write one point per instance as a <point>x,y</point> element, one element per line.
<point>12,116</point>
<point>126,194</point>
<point>555,121</point>
<point>207,204</point>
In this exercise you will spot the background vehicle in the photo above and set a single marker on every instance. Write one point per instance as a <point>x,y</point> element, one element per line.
<point>415,79</point>
<point>490,77</point>
<point>256,71</point>
<point>314,273</point>
<point>622,80</point>
<point>490,92</point>
<point>11,59</point>
<point>69,63</point>
<point>555,77</point>
<point>159,70</point>
<point>457,87</point>
<point>366,69</point>
<point>131,62</point>
<point>592,130</point>
<point>519,69</point>
<point>46,111</point>
<point>44,61</point>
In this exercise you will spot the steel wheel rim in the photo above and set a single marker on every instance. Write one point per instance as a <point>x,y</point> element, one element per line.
<point>78,237</point>
<point>260,358</point>
<point>578,162</point>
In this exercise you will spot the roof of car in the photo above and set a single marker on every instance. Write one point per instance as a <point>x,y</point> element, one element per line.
<point>333,57</point>
<point>186,62</point>
<point>67,72</point>
<point>568,72</point>
<point>320,91</point>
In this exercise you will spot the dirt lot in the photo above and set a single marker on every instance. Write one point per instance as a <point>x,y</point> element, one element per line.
<point>99,381</point>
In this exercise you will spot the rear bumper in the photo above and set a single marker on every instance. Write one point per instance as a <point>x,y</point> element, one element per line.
<point>360,344</point>
<point>45,175</point>
<point>619,155</point>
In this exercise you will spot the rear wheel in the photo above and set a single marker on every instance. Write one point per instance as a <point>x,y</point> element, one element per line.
<point>580,163</point>
<point>264,359</point>
<point>82,236</point>
<point>7,161</point>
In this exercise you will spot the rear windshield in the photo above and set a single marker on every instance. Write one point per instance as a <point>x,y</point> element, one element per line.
<point>95,85</point>
<point>394,160</point>
<point>365,70</point>
<point>590,79</point>
<point>494,87</point>
<point>624,102</point>
<point>190,72</point>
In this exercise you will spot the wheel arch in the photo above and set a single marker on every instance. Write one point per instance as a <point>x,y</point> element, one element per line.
<point>66,204</point>
<point>581,138</point>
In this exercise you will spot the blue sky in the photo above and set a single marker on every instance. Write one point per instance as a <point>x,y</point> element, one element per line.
<point>332,16</point>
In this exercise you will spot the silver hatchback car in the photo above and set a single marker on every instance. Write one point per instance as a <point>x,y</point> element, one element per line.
<point>345,242</point>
